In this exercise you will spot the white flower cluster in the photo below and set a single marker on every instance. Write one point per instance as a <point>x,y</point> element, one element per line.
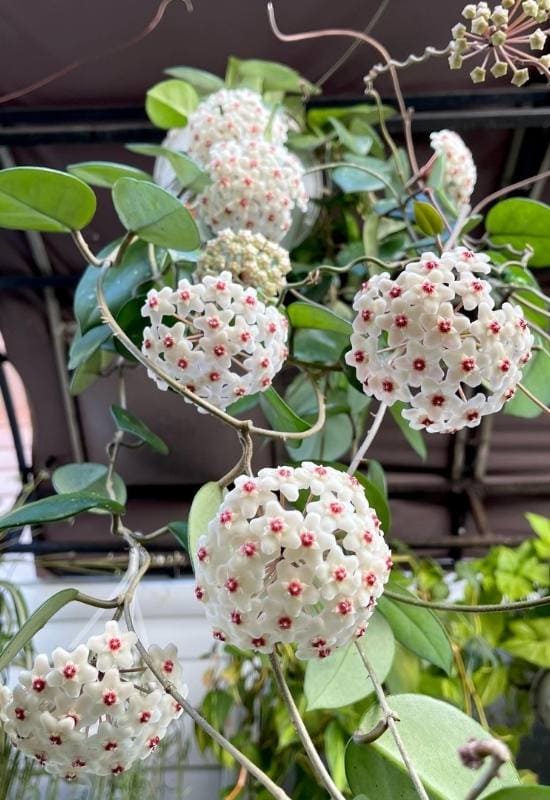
<point>255,186</point>
<point>272,570</point>
<point>219,340</point>
<point>432,335</point>
<point>232,115</point>
<point>500,34</point>
<point>250,257</point>
<point>459,172</point>
<point>82,712</point>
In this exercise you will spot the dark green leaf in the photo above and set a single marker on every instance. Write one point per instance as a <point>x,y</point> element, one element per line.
<point>39,199</point>
<point>84,346</point>
<point>377,500</point>
<point>243,404</point>
<point>179,530</point>
<point>414,438</point>
<point>35,622</point>
<point>316,346</point>
<point>536,378</point>
<point>120,284</point>
<point>154,215</point>
<point>332,442</point>
<point>132,323</point>
<point>432,732</point>
<point>335,739</point>
<point>341,678</point>
<point>106,173</point>
<point>356,179</point>
<point>87,373</point>
<point>428,219</point>
<point>418,629</point>
<point>305,141</point>
<point>304,315</point>
<point>57,507</point>
<point>524,277</point>
<point>188,172</point>
<point>279,414</point>
<point>203,509</point>
<point>87,477</point>
<point>169,103</point>
<point>521,793</point>
<point>130,424</point>
<point>520,221</point>
<point>203,81</point>
<point>377,476</point>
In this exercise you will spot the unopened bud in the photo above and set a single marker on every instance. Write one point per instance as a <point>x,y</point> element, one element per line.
<point>521,76</point>
<point>478,75</point>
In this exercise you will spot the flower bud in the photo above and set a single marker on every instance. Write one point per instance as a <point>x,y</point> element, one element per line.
<point>521,76</point>
<point>478,75</point>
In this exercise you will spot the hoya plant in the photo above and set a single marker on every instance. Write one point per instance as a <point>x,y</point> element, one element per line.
<point>297,259</point>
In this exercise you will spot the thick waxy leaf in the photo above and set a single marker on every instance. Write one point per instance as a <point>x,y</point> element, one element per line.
<point>130,424</point>
<point>275,77</point>
<point>304,315</point>
<point>352,179</point>
<point>524,277</point>
<point>519,221</point>
<point>341,678</point>
<point>432,732</point>
<point>357,144</point>
<point>169,103</point>
<point>52,509</point>
<point>522,793</point>
<point>89,478</point>
<point>332,442</point>
<point>35,622</point>
<point>279,414</point>
<point>203,81</point>
<point>420,632</point>
<point>39,199</point>
<point>535,378</point>
<point>179,530</point>
<point>83,347</point>
<point>529,640</point>
<point>317,117</point>
<point>203,509</point>
<point>120,284</point>
<point>414,438</point>
<point>335,740</point>
<point>428,219</point>
<point>188,172</point>
<point>106,173</point>
<point>154,215</point>
<point>87,373</point>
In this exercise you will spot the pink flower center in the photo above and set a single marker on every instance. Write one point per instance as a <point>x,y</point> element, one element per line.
<point>494,327</point>
<point>438,400</point>
<point>366,315</point>
<point>219,350</point>
<point>39,684</point>
<point>199,592</point>
<point>232,584</point>
<point>367,537</point>
<point>428,287</point>
<point>395,291</point>
<point>370,578</point>
<point>295,588</point>
<point>219,635</point>
<point>213,323</point>
<point>359,356</point>
<point>168,341</point>
<point>444,325</point>
<point>468,364</point>
<point>504,365</point>
<point>183,363</point>
<point>153,742</point>
<point>336,508</point>
<point>472,415</point>
<point>168,666</point>
<point>340,574</point>
<point>56,739</point>
<point>345,607</point>
<point>401,321</point>
<point>258,641</point>
<point>284,623</point>
<point>387,385</point>
<point>184,295</point>
<point>114,644</point>
<point>109,698</point>
<point>307,538</point>
<point>144,717</point>
<point>226,517</point>
<point>69,671</point>
<point>236,618</point>
<point>248,549</point>
<point>277,525</point>
<point>419,364</point>
<point>202,553</point>
<point>20,713</point>
<point>110,746</point>
<point>477,286</point>
<point>249,487</point>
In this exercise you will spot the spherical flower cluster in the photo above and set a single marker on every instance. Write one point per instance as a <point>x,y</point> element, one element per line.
<point>499,36</point>
<point>432,336</point>
<point>215,337</point>
<point>459,172</point>
<point>82,711</point>
<point>255,186</point>
<point>250,257</point>
<point>271,569</point>
<point>226,115</point>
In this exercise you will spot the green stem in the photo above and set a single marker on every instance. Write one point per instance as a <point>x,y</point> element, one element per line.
<point>490,608</point>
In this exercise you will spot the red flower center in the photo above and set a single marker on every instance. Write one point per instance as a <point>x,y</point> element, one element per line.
<point>114,644</point>
<point>307,538</point>
<point>109,698</point>
<point>69,671</point>
<point>295,588</point>
<point>419,364</point>
<point>444,325</point>
<point>284,623</point>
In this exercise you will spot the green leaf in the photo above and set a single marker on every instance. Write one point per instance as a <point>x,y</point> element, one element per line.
<point>414,438</point>
<point>275,77</point>
<point>119,285</point>
<point>316,346</point>
<point>57,507</point>
<point>87,373</point>
<point>179,530</point>
<point>203,509</point>
<point>520,221</point>
<point>169,103</point>
<point>437,172</point>
<point>341,678</point>
<point>304,315</point>
<point>35,622</point>
<point>131,424</point>
<point>521,275</point>
<point>351,179</point>
<point>428,219</point>
<point>155,215</point>
<point>203,81</point>
<point>317,117</point>
<point>535,378</point>
<point>432,732</point>
<point>305,141</point>
<point>332,442</point>
<point>335,739</point>
<point>188,172</point>
<point>377,476</point>
<point>357,144</point>
<point>40,199</point>
<point>106,173</point>
<point>279,414</point>
<point>522,793</point>
<point>89,478</point>
<point>422,633</point>
<point>530,640</point>
<point>376,499</point>
<point>84,346</point>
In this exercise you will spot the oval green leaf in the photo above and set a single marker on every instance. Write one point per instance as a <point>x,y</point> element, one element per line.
<point>522,793</point>
<point>535,378</point>
<point>520,221</point>
<point>87,477</point>
<point>432,732</point>
<point>203,509</point>
<point>169,103</point>
<point>106,173</point>
<point>275,77</point>
<point>40,199</point>
<point>428,219</point>
<point>419,630</point>
<point>84,346</point>
<point>203,81</point>
<point>179,530</point>
<point>130,424</point>
<point>35,622</point>
<point>414,438</point>
<point>353,179</point>
<point>57,507</point>
<point>304,315</point>
<point>188,172</point>
<point>341,678</point>
<point>154,215</point>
